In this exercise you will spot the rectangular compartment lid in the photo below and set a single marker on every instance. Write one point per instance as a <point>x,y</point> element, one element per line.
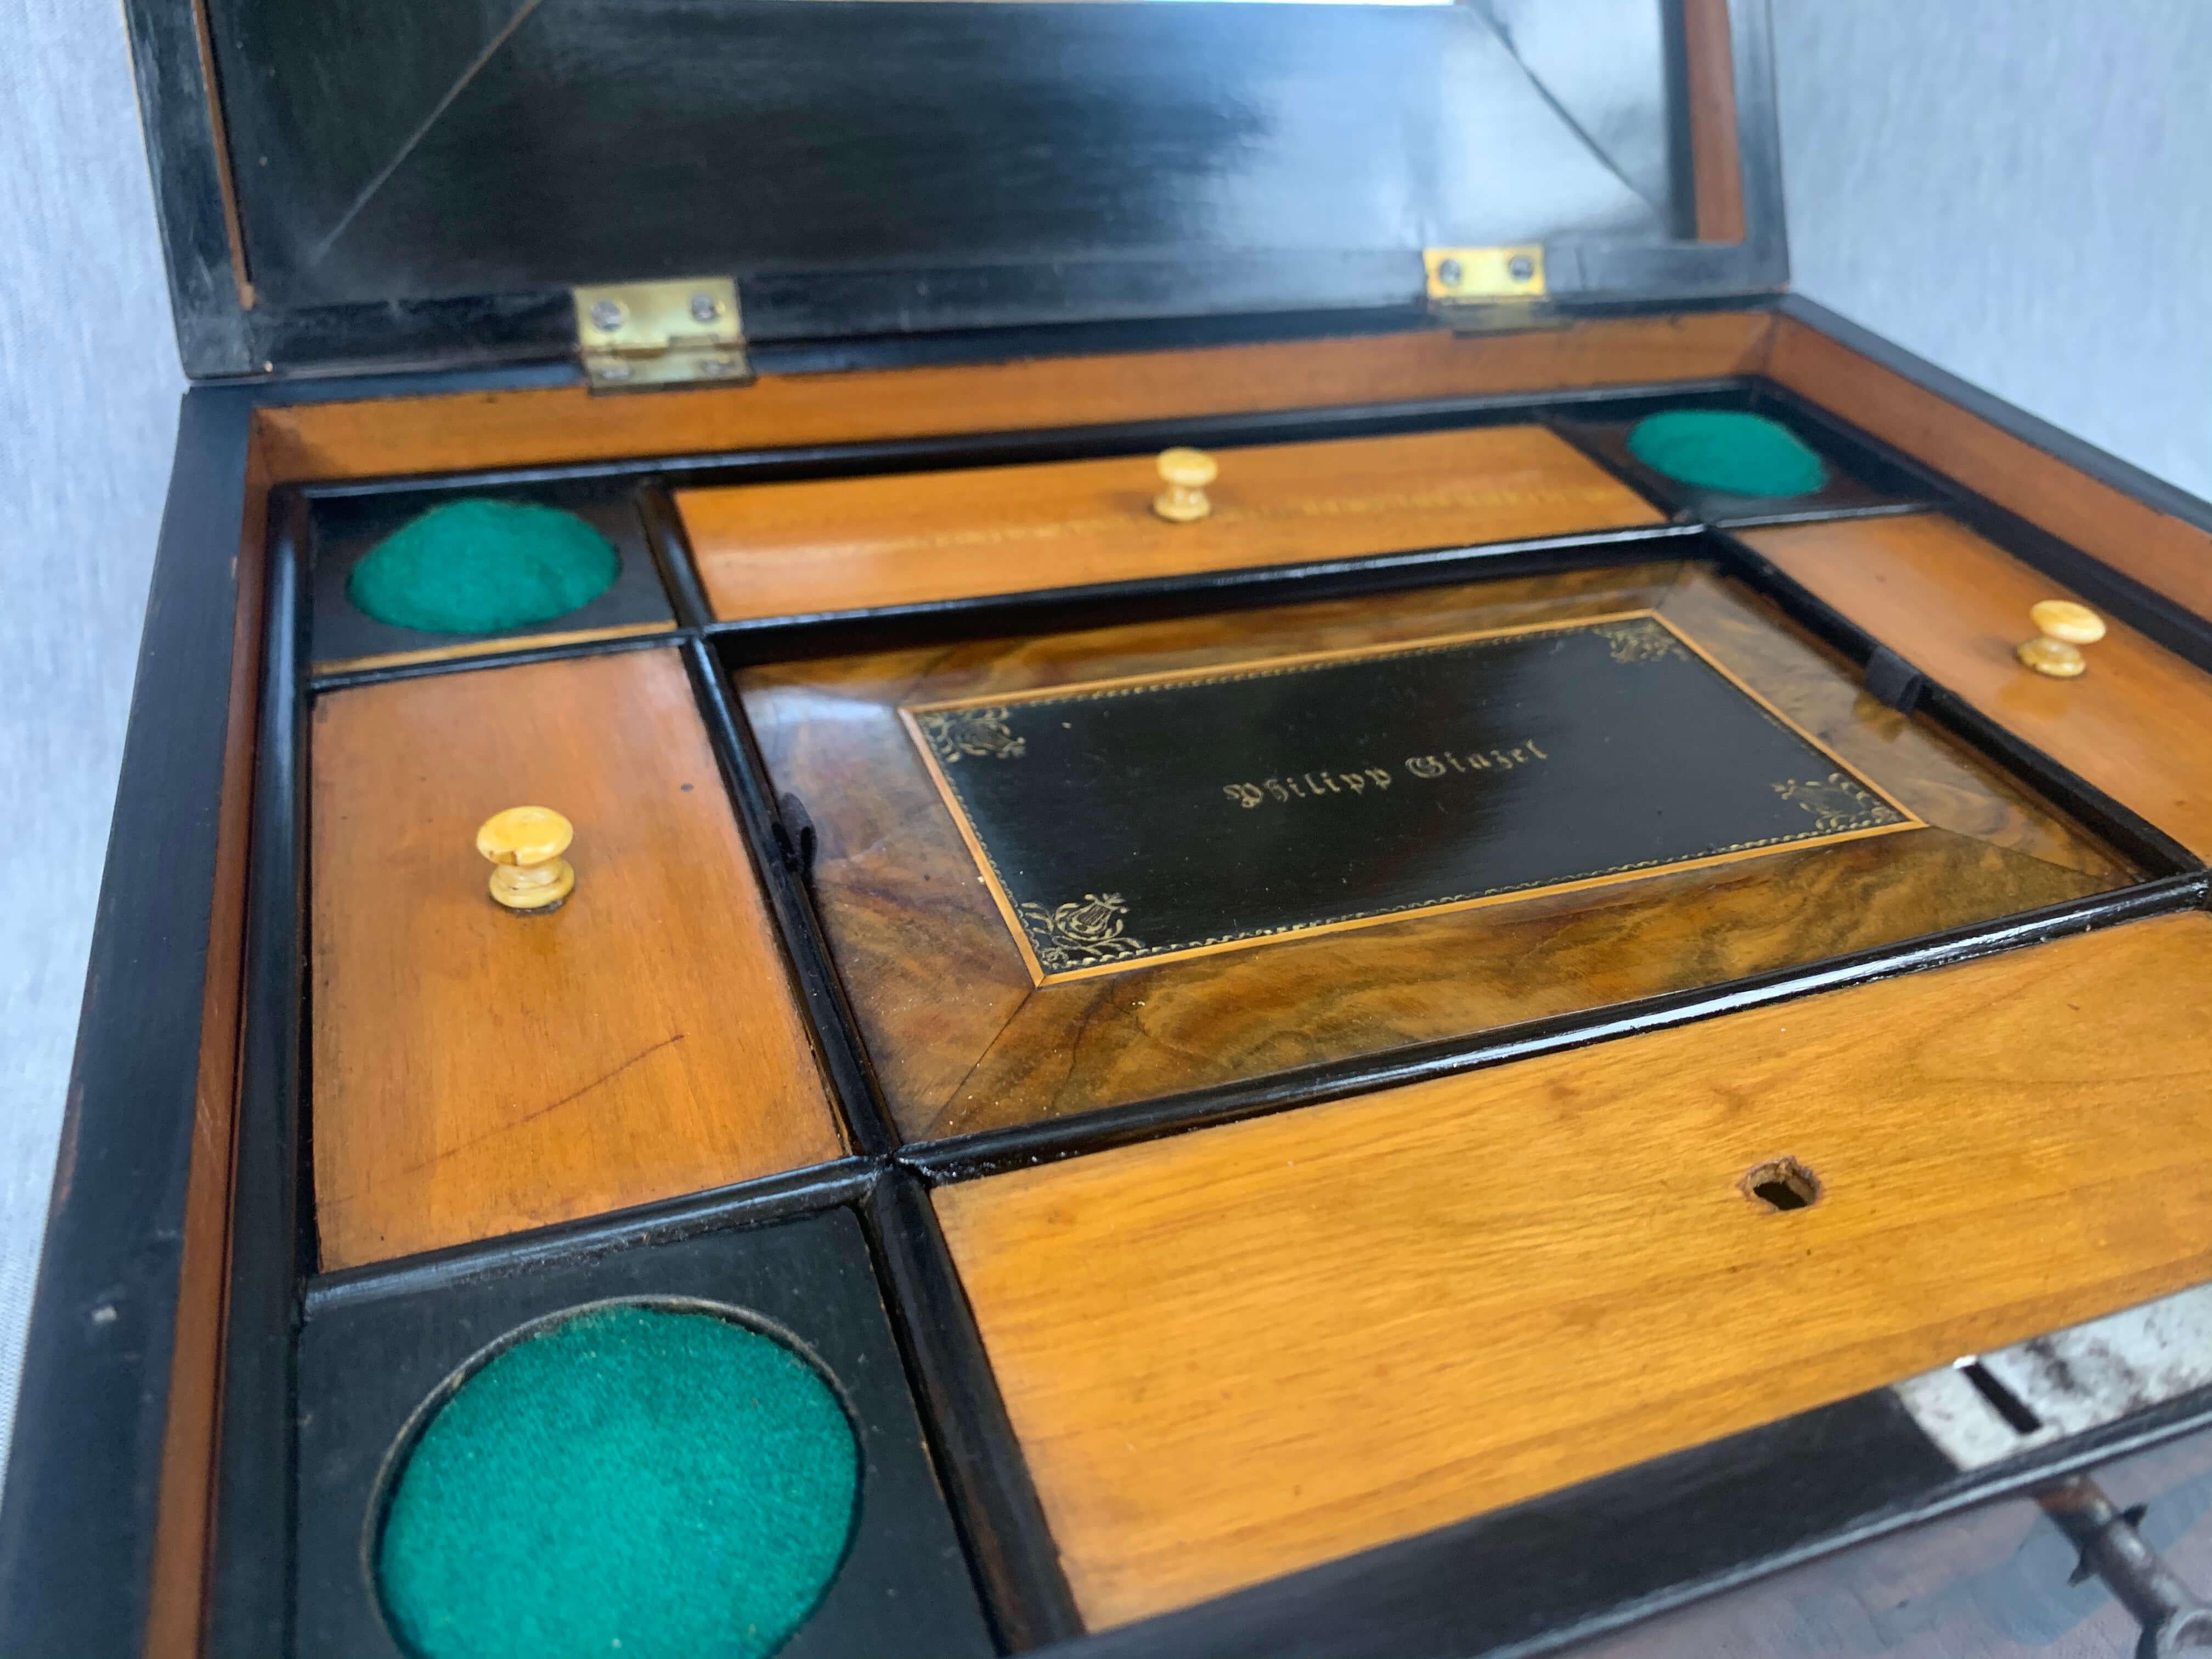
<point>421,182</point>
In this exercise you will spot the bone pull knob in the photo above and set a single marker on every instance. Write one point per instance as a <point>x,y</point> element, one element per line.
<point>524,844</point>
<point>1186,472</point>
<point>2063,627</point>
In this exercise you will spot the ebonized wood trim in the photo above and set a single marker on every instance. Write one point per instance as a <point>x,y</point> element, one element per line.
<point>1002,1522</point>
<point>248,1609</point>
<point>77,1531</point>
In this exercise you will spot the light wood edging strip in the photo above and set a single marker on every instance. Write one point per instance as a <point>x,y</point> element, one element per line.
<point>845,544</point>
<point>478,1072</point>
<point>1239,1351</point>
<point>183,1531</point>
<point>468,431</point>
<point>2137,725</point>
<point>2161,551</point>
<point>485,647</point>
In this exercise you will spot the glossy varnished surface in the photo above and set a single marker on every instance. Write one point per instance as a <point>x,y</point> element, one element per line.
<point>2137,723</point>
<point>854,544</point>
<point>477,1071</point>
<point>404,151</point>
<point>1235,1352</point>
<point>1285,796</point>
<point>963,1040</point>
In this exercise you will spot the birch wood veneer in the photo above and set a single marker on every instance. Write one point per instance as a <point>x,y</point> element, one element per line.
<point>478,1071</point>
<point>852,544</point>
<point>2137,725</point>
<point>1235,1352</point>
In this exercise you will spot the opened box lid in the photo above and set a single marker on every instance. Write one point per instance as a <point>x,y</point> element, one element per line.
<point>424,182</point>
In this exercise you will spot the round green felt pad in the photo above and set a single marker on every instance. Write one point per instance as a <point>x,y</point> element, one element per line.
<point>633,1481</point>
<point>476,567</point>
<point>1720,449</point>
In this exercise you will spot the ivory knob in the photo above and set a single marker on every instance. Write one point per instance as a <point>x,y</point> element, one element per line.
<point>1186,472</point>
<point>524,844</point>
<point>2063,627</point>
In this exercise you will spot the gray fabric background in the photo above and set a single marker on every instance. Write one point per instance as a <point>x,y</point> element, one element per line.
<point>2020,189</point>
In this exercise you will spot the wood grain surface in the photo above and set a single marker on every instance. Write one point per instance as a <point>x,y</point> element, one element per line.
<point>486,647</point>
<point>1235,1352</point>
<point>186,1504</point>
<point>476,1070</point>
<point>474,430</point>
<point>847,544</point>
<point>963,1040</point>
<point>2155,548</point>
<point>1716,152</point>
<point>2138,724</point>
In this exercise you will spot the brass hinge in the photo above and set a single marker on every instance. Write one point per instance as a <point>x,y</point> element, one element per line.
<point>647,337</point>
<point>1483,290</point>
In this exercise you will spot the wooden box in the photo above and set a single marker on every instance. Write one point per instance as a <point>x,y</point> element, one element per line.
<point>1312,858</point>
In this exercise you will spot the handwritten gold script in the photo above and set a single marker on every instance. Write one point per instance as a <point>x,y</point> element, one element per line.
<point>1318,785</point>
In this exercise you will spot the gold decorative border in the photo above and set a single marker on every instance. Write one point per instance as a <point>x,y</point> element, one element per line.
<point>1266,667</point>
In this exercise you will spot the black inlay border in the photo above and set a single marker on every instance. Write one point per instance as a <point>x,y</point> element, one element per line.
<point>1057,946</point>
<point>373,1369</point>
<point>343,530</point>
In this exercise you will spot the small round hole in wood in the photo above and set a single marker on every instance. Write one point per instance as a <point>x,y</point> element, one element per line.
<point>1782,1183</point>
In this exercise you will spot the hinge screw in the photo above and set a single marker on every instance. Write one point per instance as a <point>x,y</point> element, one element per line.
<point>606,315</point>
<point>705,307</point>
<point>716,365</point>
<point>1449,272</point>
<point>1521,268</point>
<point>614,371</point>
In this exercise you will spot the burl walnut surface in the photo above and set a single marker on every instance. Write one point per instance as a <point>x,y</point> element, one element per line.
<point>963,1040</point>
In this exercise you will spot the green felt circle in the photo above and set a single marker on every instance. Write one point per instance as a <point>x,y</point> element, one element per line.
<point>636,1480</point>
<point>477,567</point>
<point>1721,449</point>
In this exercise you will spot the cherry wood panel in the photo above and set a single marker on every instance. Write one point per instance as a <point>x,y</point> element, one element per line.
<point>477,1071</point>
<point>1237,1352</point>
<point>847,544</point>
<point>1716,154</point>
<point>472,430</point>
<point>2156,549</point>
<point>2138,724</point>
<point>962,1039</point>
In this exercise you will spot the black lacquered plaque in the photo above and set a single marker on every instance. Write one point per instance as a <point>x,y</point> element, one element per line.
<point>1127,821</point>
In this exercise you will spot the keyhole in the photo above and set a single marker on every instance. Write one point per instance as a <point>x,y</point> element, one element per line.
<point>1782,1184</point>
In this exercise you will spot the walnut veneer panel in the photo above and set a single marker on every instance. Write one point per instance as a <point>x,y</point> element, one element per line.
<point>1239,1351</point>
<point>477,1071</point>
<point>846,544</point>
<point>963,1040</point>
<point>480,429</point>
<point>2138,724</point>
